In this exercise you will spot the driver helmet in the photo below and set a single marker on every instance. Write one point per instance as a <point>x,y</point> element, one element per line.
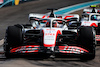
<point>54,24</point>
<point>47,24</point>
<point>94,17</point>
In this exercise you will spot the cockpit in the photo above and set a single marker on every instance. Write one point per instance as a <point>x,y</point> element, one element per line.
<point>95,17</point>
<point>54,23</point>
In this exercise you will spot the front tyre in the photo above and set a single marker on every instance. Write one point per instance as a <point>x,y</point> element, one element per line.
<point>87,40</point>
<point>13,38</point>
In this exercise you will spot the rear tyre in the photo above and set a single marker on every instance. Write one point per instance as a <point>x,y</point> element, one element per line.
<point>13,39</point>
<point>7,50</point>
<point>87,40</point>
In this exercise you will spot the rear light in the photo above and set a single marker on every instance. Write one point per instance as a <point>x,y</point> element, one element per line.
<point>98,11</point>
<point>88,12</point>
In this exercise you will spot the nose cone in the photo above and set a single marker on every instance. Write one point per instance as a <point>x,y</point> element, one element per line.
<point>49,38</point>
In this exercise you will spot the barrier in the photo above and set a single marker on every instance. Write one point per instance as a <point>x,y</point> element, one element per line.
<point>5,2</point>
<point>1,1</point>
<point>16,2</point>
<point>12,2</point>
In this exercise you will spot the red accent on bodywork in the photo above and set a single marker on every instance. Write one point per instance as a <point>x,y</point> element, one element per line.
<point>68,17</point>
<point>44,20</point>
<point>52,45</point>
<point>48,17</point>
<point>98,11</point>
<point>49,45</point>
<point>71,49</point>
<point>93,24</point>
<point>88,12</point>
<point>47,24</point>
<point>36,19</point>
<point>60,21</point>
<point>86,22</point>
<point>25,48</point>
<point>50,29</point>
<point>68,20</point>
<point>97,37</point>
<point>58,32</point>
<point>44,16</point>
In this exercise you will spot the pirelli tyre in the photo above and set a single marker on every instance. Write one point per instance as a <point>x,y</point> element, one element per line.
<point>13,38</point>
<point>87,40</point>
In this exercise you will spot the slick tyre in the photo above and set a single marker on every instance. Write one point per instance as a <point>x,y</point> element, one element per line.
<point>13,39</point>
<point>87,40</point>
<point>7,50</point>
<point>14,36</point>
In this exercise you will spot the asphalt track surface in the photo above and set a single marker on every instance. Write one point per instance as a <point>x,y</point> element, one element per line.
<point>19,15</point>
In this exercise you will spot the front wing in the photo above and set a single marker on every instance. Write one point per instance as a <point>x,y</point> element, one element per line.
<point>57,49</point>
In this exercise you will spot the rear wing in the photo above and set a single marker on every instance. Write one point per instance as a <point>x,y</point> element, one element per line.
<point>90,10</point>
<point>33,16</point>
<point>68,17</point>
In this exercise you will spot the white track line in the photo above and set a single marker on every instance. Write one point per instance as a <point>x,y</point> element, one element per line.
<point>1,42</point>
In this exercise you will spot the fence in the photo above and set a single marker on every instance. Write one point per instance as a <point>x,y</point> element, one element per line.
<point>11,2</point>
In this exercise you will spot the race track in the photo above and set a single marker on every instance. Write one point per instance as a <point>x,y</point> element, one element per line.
<point>19,15</point>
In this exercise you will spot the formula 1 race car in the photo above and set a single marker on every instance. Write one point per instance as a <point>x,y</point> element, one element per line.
<point>33,17</point>
<point>55,38</point>
<point>92,18</point>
